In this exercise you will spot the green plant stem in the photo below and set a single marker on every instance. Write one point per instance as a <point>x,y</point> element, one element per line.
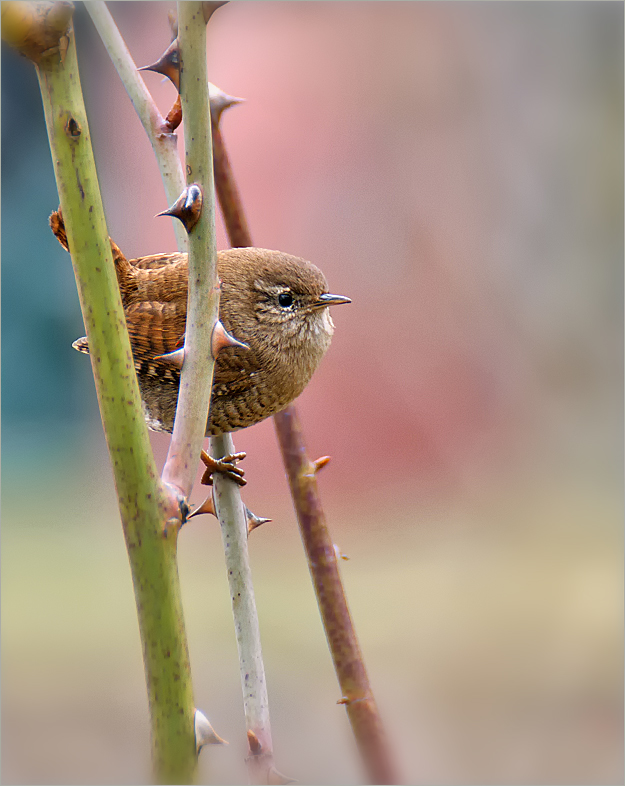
<point>230,509</point>
<point>181,463</point>
<point>163,141</point>
<point>144,503</point>
<point>340,632</point>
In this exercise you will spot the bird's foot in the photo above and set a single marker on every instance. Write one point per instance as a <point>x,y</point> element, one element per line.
<point>226,465</point>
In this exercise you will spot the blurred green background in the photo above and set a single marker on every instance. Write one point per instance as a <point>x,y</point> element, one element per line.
<point>456,169</point>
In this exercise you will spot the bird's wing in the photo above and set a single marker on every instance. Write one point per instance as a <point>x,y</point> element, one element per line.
<point>160,279</point>
<point>158,328</point>
<point>235,373</point>
<point>157,261</point>
<point>155,328</point>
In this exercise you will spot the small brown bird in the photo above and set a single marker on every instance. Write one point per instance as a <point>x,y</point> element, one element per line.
<point>275,303</point>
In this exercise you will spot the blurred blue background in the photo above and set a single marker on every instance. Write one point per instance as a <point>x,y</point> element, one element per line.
<point>457,170</point>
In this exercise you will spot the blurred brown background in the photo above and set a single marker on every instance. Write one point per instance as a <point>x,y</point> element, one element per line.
<point>456,169</point>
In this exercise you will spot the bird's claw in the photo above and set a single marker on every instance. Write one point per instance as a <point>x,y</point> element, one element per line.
<point>226,465</point>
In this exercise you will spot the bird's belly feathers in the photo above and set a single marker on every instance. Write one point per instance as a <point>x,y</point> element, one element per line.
<point>233,405</point>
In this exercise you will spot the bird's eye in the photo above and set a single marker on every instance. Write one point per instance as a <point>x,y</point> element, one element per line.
<point>285,299</point>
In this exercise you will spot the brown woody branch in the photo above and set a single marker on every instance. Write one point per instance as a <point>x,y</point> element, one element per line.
<point>348,662</point>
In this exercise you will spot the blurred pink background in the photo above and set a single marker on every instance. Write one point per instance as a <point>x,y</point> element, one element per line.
<point>457,170</point>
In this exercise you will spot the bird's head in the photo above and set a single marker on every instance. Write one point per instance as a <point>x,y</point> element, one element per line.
<point>283,298</point>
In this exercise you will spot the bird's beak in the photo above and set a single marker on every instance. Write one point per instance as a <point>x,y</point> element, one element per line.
<point>330,300</point>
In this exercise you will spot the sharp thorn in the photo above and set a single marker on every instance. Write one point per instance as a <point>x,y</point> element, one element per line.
<point>168,64</point>
<point>209,8</point>
<point>254,743</point>
<point>339,554</point>
<point>275,778</point>
<point>221,339</point>
<point>320,463</point>
<point>204,732</point>
<point>175,358</point>
<point>187,208</point>
<point>254,521</point>
<point>220,101</point>
<point>208,506</point>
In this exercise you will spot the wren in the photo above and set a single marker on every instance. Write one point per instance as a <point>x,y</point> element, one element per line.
<point>274,303</point>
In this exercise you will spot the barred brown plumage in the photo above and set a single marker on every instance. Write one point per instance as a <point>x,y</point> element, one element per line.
<point>275,303</point>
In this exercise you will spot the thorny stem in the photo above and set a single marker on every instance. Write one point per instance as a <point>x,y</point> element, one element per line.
<point>343,642</point>
<point>234,535</point>
<point>144,503</point>
<point>350,669</point>
<point>163,142</point>
<point>230,510</point>
<point>203,300</point>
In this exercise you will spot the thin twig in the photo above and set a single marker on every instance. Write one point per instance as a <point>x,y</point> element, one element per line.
<point>234,527</point>
<point>163,142</point>
<point>343,642</point>
<point>234,532</point>
<point>203,300</point>
<point>357,695</point>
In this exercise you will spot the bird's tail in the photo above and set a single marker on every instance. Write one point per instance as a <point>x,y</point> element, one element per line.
<point>57,225</point>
